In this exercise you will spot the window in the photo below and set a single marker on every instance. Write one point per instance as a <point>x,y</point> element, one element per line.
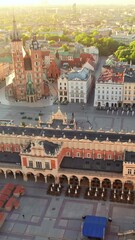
<point>31,164</point>
<point>78,154</point>
<point>88,155</point>
<point>38,165</point>
<point>47,166</point>
<point>129,171</point>
<point>99,155</point>
<point>109,156</point>
<point>129,87</point>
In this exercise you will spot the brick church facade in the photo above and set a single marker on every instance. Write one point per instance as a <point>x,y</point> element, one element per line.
<point>29,81</point>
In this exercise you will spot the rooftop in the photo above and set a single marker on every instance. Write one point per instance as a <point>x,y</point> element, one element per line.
<point>130,157</point>
<point>92,165</point>
<point>68,133</point>
<point>10,157</point>
<point>112,74</point>
<point>83,74</point>
<point>129,75</point>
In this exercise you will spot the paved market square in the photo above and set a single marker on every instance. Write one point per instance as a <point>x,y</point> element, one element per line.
<point>58,217</point>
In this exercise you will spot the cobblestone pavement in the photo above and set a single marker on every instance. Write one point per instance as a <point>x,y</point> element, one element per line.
<point>47,217</point>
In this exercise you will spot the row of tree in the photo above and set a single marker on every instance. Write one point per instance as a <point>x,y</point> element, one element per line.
<point>126,53</point>
<point>106,45</point>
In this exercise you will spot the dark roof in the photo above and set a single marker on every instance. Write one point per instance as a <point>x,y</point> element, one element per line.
<point>70,133</point>
<point>27,63</point>
<point>92,165</point>
<point>129,75</point>
<point>130,156</point>
<point>10,157</point>
<point>50,147</point>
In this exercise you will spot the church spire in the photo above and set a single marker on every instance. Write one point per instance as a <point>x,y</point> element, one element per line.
<point>15,34</point>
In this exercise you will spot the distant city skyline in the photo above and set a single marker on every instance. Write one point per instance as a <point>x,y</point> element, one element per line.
<point>69,2</point>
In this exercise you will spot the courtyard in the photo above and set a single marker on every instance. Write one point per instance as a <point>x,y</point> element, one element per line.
<point>41,216</point>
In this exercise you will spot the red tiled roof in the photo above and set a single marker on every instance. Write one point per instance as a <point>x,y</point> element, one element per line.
<point>10,186</point>
<point>3,198</point>
<point>2,216</point>
<point>6,191</point>
<point>1,203</point>
<point>108,74</point>
<point>19,190</point>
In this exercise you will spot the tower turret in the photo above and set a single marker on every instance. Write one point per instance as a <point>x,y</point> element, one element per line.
<point>15,36</point>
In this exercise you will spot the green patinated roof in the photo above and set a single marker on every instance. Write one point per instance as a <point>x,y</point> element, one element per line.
<point>7,59</point>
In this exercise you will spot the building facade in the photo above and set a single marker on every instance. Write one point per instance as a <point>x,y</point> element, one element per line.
<point>129,87</point>
<point>75,86</point>
<point>68,155</point>
<point>109,88</point>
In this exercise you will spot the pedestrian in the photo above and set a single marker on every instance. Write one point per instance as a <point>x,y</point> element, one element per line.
<point>23,216</point>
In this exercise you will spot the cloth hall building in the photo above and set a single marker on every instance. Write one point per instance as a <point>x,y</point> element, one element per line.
<point>59,151</point>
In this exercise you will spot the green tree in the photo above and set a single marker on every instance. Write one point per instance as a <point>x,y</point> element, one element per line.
<point>65,47</point>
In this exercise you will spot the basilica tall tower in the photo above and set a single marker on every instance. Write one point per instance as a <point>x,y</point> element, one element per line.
<point>18,53</point>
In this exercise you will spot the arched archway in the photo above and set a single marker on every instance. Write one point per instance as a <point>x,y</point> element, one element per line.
<point>128,185</point>
<point>30,176</point>
<point>106,183</point>
<point>74,180</point>
<point>10,174</point>
<point>63,179</point>
<point>50,178</point>
<point>95,182</point>
<point>2,175</point>
<point>117,184</point>
<point>40,177</point>
<point>19,175</point>
<point>84,182</point>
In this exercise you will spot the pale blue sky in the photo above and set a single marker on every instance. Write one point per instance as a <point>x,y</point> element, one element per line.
<point>63,2</point>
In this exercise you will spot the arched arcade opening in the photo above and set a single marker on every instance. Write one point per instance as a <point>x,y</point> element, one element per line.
<point>30,176</point>
<point>84,182</point>
<point>95,182</point>
<point>63,179</point>
<point>40,177</point>
<point>2,175</point>
<point>10,174</point>
<point>50,178</point>
<point>73,180</point>
<point>128,185</point>
<point>19,175</point>
<point>106,183</point>
<point>117,184</point>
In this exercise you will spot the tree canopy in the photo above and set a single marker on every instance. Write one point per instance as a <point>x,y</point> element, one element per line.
<point>126,53</point>
<point>106,45</point>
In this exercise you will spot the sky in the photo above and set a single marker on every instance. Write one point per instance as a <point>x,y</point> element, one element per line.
<point>58,2</point>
